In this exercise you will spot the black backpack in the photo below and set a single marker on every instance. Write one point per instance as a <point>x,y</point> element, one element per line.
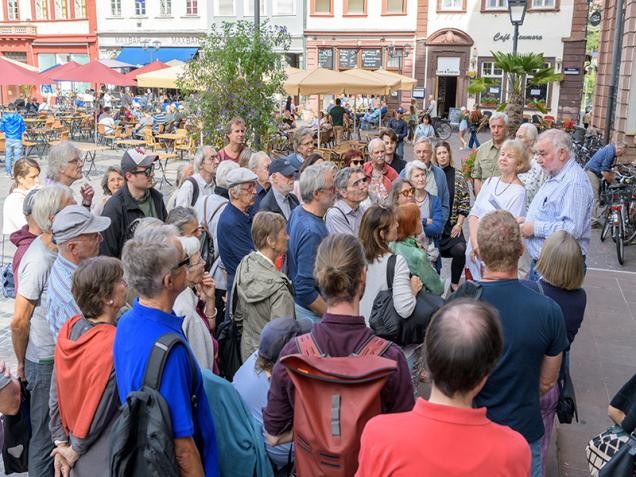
<point>195,190</point>
<point>142,442</point>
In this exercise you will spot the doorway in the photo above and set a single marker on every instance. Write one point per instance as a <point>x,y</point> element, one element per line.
<point>446,94</point>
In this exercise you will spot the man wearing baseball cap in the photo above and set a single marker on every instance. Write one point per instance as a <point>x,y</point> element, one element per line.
<point>136,200</point>
<point>280,199</point>
<point>235,223</point>
<point>77,234</point>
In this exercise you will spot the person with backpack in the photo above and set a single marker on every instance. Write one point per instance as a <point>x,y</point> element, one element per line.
<point>294,403</point>
<point>166,413</point>
<point>201,183</point>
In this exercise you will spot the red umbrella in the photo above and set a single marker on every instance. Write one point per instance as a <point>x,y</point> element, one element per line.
<point>154,66</point>
<point>14,75</point>
<point>93,72</point>
<point>59,69</point>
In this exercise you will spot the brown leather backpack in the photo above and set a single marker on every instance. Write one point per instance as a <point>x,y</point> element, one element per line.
<point>334,399</point>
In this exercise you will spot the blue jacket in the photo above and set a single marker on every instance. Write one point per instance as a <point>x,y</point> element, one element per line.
<point>400,127</point>
<point>435,228</point>
<point>602,160</point>
<point>442,190</point>
<point>12,125</point>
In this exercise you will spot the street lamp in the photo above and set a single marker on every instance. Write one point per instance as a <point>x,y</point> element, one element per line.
<point>517,10</point>
<point>149,46</point>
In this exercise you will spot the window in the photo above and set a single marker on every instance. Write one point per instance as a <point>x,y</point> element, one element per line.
<point>42,9</point>
<point>283,7</point>
<point>80,8</point>
<point>225,8</point>
<point>249,7</point>
<point>20,56</point>
<point>492,95</point>
<point>496,5</point>
<point>394,59</point>
<point>192,7</point>
<point>322,7</point>
<point>393,7</point>
<point>355,7</point>
<point>543,4</point>
<point>450,5</point>
<point>60,9</point>
<point>140,7</point>
<point>13,11</point>
<point>536,93</point>
<point>115,8</point>
<point>165,8</point>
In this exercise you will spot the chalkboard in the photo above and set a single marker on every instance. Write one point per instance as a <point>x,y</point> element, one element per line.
<point>372,58</point>
<point>454,114</point>
<point>325,58</point>
<point>348,58</point>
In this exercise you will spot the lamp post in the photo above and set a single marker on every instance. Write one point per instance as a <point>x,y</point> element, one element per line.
<point>149,46</point>
<point>517,10</point>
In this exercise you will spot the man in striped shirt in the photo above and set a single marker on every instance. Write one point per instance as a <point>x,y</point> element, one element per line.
<point>564,201</point>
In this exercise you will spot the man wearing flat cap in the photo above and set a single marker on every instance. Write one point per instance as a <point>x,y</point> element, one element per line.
<point>77,234</point>
<point>235,224</point>
<point>136,200</point>
<point>280,199</point>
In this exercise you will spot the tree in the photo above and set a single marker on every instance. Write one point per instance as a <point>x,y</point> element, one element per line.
<point>518,68</point>
<point>237,73</point>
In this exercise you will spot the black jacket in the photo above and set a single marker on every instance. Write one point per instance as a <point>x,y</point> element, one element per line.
<point>269,204</point>
<point>123,210</point>
<point>398,163</point>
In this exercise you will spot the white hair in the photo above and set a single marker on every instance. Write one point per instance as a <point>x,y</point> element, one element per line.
<point>59,157</point>
<point>256,160</point>
<point>47,203</point>
<point>412,166</point>
<point>372,144</point>
<point>199,156</point>
<point>497,115</point>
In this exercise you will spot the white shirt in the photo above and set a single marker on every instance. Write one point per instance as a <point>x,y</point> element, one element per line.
<point>186,191</point>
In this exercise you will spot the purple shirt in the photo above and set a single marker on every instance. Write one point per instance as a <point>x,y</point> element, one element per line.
<point>336,336</point>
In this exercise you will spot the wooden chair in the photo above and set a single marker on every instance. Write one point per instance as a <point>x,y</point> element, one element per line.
<point>184,145</point>
<point>63,136</point>
<point>103,138</point>
<point>327,137</point>
<point>150,142</point>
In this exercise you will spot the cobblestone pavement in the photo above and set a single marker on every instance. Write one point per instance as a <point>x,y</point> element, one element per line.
<point>603,355</point>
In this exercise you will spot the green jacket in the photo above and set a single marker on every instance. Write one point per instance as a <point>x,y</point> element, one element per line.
<point>419,264</point>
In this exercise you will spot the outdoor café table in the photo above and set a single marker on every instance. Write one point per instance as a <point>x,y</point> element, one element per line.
<point>164,156</point>
<point>34,122</point>
<point>129,142</point>
<point>90,150</point>
<point>41,138</point>
<point>168,140</point>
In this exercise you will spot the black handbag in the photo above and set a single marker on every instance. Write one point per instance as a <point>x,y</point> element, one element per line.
<point>17,434</point>
<point>566,405</point>
<point>208,253</point>
<point>387,324</point>
<point>229,340</point>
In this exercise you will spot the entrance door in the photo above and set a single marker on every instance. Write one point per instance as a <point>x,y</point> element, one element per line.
<point>446,94</point>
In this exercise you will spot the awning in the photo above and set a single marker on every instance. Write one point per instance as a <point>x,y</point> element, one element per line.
<point>141,56</point>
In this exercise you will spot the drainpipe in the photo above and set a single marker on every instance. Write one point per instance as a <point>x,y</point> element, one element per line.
<point>619,20</point>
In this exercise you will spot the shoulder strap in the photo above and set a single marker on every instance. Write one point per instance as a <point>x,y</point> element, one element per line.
<point>307,345</point>
<point>374,346</point>
<point>205,211</point>
<point>390,271</point>
<point>195,190</point>
<point>158,357</point>
<point>540,287</point>
<point>339,210</point>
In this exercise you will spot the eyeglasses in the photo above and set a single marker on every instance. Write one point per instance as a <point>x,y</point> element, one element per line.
<point>146,171</point>
<point>357,162</point>
<point>407,192</point>
<point>359,182</point>
<point>183,262</point>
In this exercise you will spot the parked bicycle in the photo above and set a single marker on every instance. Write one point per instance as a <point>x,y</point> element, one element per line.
<point>443,128</point>
<point>620,215</point>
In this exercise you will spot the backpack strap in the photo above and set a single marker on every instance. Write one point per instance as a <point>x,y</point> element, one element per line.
<point>339,210</point>
<point>158,357</point>
<point>195,190</point>
<point>390,271</point>
<point>373,346</point>
<point>307,345</point>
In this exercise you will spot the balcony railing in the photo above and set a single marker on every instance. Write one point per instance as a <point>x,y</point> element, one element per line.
<point>18,30</point>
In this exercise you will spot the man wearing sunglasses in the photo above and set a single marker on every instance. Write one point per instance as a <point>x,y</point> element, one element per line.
<point>137,199</point>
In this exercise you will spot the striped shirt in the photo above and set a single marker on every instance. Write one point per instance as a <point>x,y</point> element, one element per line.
<point>60,302</point>
<point>564,202</point>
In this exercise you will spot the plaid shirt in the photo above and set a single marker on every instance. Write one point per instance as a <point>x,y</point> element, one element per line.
<point>60,302</point>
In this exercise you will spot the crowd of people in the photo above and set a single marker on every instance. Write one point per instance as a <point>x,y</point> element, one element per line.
<point>294,252</point>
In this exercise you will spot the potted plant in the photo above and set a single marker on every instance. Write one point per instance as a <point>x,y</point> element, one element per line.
<point>468,163</point>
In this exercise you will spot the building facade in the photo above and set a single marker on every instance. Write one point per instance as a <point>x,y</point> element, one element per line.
<point>368,34</point>
<point>623,113</point>
<point>455,39</point>
<point>43,33</point>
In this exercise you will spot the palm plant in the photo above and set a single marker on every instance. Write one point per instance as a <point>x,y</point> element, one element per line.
<point>518,68</point>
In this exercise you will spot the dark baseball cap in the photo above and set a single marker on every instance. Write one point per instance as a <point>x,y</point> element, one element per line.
<point>136,157</point>
<point>282,166</point>
<point>277,333</point>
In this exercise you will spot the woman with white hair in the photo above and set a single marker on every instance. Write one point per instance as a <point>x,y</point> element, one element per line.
<point>532,180</point>
<point>378,172</point>
<point>498,193</point>
<point>201,183</point>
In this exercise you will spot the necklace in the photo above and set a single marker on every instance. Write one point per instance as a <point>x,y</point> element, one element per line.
<point>505,188</point>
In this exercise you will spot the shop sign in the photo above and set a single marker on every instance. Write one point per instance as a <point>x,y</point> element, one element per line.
<point>571,71</point>
<point>135,40</point>
<point>504,37</point>
<point>447,66</point>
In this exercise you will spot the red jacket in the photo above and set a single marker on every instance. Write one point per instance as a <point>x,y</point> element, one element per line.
<point>389,174</point>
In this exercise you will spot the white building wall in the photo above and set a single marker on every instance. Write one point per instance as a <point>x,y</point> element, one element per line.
<point>373,21</point>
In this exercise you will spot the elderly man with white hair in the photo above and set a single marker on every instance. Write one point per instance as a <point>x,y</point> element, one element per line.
<point>379,174</point>
<point>65,166</point>
<point>532,180</point>
<point>201,183</point>
<point>488,153</point>
<point>259,164</point>
<point>564,201</point>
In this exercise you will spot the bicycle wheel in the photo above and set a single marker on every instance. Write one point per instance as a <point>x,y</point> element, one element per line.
<point>444,130</point>
<point>619,236</point>
<point>607,225</point>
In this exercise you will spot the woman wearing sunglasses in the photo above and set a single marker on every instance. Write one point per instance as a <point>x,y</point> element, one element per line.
<point>402,192</point>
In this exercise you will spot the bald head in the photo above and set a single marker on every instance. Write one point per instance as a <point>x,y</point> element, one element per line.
<point>463,343</point>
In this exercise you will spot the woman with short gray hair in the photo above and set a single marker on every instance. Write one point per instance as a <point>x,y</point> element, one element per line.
<point>303,146</point>
<point>378,172</point>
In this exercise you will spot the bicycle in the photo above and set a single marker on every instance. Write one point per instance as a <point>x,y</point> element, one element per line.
<point>620,216</point>
<point>442,127</point>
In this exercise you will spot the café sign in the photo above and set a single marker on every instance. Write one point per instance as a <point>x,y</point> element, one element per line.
<point>504,37</point>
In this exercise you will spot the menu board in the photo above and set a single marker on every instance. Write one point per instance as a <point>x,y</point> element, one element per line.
<point>325,58</point>
<point>347,58</point>
<point>372,58</point>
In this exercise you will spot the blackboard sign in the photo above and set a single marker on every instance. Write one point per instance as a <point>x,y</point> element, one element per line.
<point>372,58</point>
<point>454,115</point>
<point>348,58</point>
<point>325,58</point>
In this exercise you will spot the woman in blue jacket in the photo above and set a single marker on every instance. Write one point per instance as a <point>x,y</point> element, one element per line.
<point>427,201</point>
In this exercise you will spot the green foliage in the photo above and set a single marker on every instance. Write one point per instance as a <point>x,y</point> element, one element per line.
<point>519,67</point>
<point>238,72</point>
